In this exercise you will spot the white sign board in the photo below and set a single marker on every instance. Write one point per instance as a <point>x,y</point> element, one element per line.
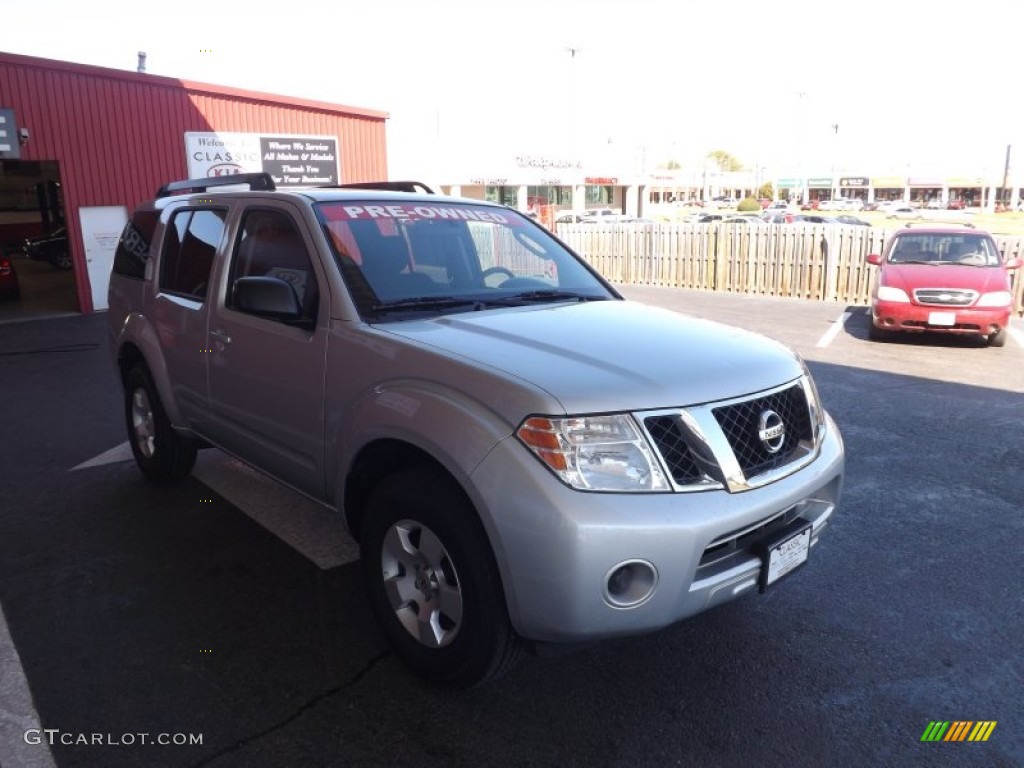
<point>101,229</point>
<point>292,161</point>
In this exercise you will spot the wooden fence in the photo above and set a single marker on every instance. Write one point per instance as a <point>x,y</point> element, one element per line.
<point>811,261</point>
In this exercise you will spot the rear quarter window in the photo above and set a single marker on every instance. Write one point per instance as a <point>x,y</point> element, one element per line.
<point>133,248</point>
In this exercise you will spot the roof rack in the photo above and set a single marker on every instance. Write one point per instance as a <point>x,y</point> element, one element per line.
<point>258,182</point>
<point>391,186</point>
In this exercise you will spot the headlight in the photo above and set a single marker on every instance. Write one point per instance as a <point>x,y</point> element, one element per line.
<point>813,400</point>
<point>595,453</point>
<point>888,293</point>
<point>995,299</point>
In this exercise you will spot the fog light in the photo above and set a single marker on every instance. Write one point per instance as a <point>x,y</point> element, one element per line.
<point>630,583</point>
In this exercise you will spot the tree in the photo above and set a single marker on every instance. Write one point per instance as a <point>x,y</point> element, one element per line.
<point>766,190</point>
<point>725,161</point>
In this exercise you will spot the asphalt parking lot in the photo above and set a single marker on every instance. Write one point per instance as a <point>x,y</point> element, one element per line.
<point>230,609</point>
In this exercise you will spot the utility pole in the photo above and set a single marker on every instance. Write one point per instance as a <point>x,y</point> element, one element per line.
<point>1006,176</point>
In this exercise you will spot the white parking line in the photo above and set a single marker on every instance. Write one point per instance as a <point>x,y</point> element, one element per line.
<point>17,711</point>
<point>830,334</point>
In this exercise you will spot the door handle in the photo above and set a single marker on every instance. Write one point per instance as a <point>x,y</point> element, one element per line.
<point>221,338</point>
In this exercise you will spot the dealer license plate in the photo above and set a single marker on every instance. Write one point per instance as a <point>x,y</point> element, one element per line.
<point>785,556</point>
<point>942,318</point>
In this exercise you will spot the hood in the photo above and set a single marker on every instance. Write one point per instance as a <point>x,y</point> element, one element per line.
<point>608,356</point>
<point>954,276</point>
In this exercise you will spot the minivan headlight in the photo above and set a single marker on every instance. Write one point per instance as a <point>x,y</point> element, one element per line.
<point>595,453</point>
<point>995,299</point>
<point>888,293</point>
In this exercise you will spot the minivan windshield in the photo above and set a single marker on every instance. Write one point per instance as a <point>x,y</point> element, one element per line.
<point>942,248</point>
<point>404,259</point>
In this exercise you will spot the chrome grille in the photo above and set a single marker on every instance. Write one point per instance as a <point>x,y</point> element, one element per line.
<point>668,439</point>
<point>740,421</point>
<point>945,297</point>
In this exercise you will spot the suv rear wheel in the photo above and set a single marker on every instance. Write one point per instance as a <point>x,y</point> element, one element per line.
<point>162,454</point>
<point>433,583</point>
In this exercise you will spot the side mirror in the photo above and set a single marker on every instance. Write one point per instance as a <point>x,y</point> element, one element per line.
<point>268,297</point>
<point>874,258</point>
<point>1014,263</point>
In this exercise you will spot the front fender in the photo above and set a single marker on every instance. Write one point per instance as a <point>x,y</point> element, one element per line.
<point>137,331</point>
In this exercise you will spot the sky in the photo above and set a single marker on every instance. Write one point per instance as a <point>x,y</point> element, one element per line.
<point>859,88</point>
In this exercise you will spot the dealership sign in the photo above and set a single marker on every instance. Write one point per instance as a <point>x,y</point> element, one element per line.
<point>292,161</point>
<point>9,147</point>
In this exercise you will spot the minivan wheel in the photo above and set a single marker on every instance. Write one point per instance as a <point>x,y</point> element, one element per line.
<point>162,454</point>
<point>432,581</point>
<point>998,339</point>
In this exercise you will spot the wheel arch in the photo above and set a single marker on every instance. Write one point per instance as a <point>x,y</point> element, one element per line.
<point>380,459</point>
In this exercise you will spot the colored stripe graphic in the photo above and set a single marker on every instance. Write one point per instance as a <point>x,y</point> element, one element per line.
<point>982,730</point>
<point>958,730</point>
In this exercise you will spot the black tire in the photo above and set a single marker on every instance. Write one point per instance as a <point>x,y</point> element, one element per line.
<point>433,583</point>
<point>162,454</point>
<point>62,261</point>
<point>998,339</point>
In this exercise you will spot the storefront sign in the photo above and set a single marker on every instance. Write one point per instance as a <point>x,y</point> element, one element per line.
<point>966,181</point>
<point>888,182</point>
<point>10,149</point>
<point>924,181</point>
<point>789,183</point>
<point>292,161</point>
<point>822,183</point>
<point>853,182</point>
<point>601,180</point>
<point>543,161</point>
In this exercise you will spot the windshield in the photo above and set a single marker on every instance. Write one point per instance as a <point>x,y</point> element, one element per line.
<point>407,258</point>
<point>931,248</point>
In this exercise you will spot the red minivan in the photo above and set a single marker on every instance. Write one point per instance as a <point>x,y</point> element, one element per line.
<point>942,280</point>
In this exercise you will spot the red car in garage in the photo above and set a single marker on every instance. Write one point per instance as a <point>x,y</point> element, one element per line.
<point>9,287</point>
<point>942,280</point>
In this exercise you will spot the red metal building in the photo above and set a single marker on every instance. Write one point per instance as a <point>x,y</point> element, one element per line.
<point>115,136</point>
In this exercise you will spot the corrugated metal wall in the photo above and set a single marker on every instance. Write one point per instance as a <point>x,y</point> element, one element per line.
<point>119,135</point>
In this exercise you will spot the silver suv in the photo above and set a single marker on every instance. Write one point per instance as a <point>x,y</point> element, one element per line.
<point>525,457</point>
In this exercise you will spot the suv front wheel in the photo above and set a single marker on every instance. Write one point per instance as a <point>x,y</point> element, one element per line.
<point>433,583</point>
<point>162,454</point>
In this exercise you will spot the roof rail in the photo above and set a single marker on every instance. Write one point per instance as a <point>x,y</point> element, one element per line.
<point>258,182</point>
<point>391,186</point>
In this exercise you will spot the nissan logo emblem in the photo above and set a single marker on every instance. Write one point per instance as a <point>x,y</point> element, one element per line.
<point>771,430</point>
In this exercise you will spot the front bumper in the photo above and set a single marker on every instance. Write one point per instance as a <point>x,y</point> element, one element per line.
<point>556,547</point>
<point>900,316</point>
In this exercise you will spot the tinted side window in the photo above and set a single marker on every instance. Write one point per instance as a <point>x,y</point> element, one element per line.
<point>270,245</point>
<point>133,248</point>
<point>189,247</point>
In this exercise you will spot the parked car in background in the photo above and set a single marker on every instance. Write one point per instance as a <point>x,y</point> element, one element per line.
<point>51,247</point>
<point>846,218</point>
<point>568,217</point>
<point>9,287</point>
<point>942,280</point>
<point>956,205</point>
<point>905,212</point>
